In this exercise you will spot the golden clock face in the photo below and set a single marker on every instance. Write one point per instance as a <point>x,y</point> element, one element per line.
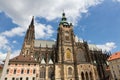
<point>68,54</point>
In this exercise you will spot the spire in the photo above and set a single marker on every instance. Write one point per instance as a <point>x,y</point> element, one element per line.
<point>30,35</point>
<point>32,21</point>
<point>63,17</point>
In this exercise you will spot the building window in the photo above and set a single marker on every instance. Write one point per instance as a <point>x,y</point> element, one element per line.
<point>86,74</point>
<point>82,76</point>
<point>5,78</point>
<point>7,71</point>
<point>33,78</point>
<point>34,71</point>
<point>28,64</point>
<point>34,64</point>
<point>13,78</point>
<point>42,73</point>
<point>91,76</point>
<point>50,73</point>
<point>22,71</point>
<point>15,64</point>
<point>14,71</point>
<point>17,78</point>
<point>21,78</point>
<point>27,78</point>
<point>28,71</point>
<point>69,71</point>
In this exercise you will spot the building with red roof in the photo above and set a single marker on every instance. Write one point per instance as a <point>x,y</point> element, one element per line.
<point>114,64</point>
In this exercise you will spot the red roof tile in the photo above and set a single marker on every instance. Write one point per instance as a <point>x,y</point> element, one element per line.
<point>22,58</point>
<point>114,56</point>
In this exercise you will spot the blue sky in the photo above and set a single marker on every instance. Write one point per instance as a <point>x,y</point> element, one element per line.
<point>96,21</point>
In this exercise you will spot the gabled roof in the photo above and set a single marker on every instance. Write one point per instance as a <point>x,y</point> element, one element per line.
<point>22,58</point>
<point>114,56</point>
<point>50,62</point>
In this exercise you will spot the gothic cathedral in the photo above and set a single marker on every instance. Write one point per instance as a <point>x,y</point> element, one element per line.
<point>64,59</point>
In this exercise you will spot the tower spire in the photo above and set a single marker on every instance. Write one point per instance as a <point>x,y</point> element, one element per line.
<point>32,21</point>
<point>64,19</point>
<point>63,16</point>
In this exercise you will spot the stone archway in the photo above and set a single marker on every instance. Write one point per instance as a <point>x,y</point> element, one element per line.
<point>82,76</point>
<point>91,75</point>
<point>86,74</point>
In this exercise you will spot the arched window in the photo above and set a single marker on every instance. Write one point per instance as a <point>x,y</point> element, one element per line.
<point>33,78</point>
<point>50,73</point>
<point>14,71</point>
<point>42,72</point>
<point>86,74</point>
<point>91,76</point>
<point>13,78</point>
<point>28,71</point>
<point>21,78</point>
<point>7,71</point>
<point>5,78</point>
<point>34,71</point>
<point>70,72</point>
<point>82,76</point>
<point>68,54</point>
<point>22,71</point>
<point>27,78</point>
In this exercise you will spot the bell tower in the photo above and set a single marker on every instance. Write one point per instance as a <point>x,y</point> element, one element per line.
<point>65,39</point>
<point>65,49</point>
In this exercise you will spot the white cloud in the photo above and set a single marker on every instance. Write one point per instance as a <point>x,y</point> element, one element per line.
<point>4,43</point>
<point>21,11</point>
<point>13,32</point>
<point>14,42</point>
<point>109,46</point>
<point>12,54</point>
<point>43,31</point>
<point>116,0</point>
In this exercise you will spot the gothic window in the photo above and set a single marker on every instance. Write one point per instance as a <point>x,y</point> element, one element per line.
<point>42,72</point>
<point>70,71</point>
<point>91,77</point>
<point>68,54</point>
<point>87,78</point>
<point>50,73</point>
<point>80,56</point>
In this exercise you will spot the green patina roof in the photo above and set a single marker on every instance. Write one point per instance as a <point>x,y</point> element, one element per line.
<point>64,20</point>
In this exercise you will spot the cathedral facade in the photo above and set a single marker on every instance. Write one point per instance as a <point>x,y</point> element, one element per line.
<point>63,59</point>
